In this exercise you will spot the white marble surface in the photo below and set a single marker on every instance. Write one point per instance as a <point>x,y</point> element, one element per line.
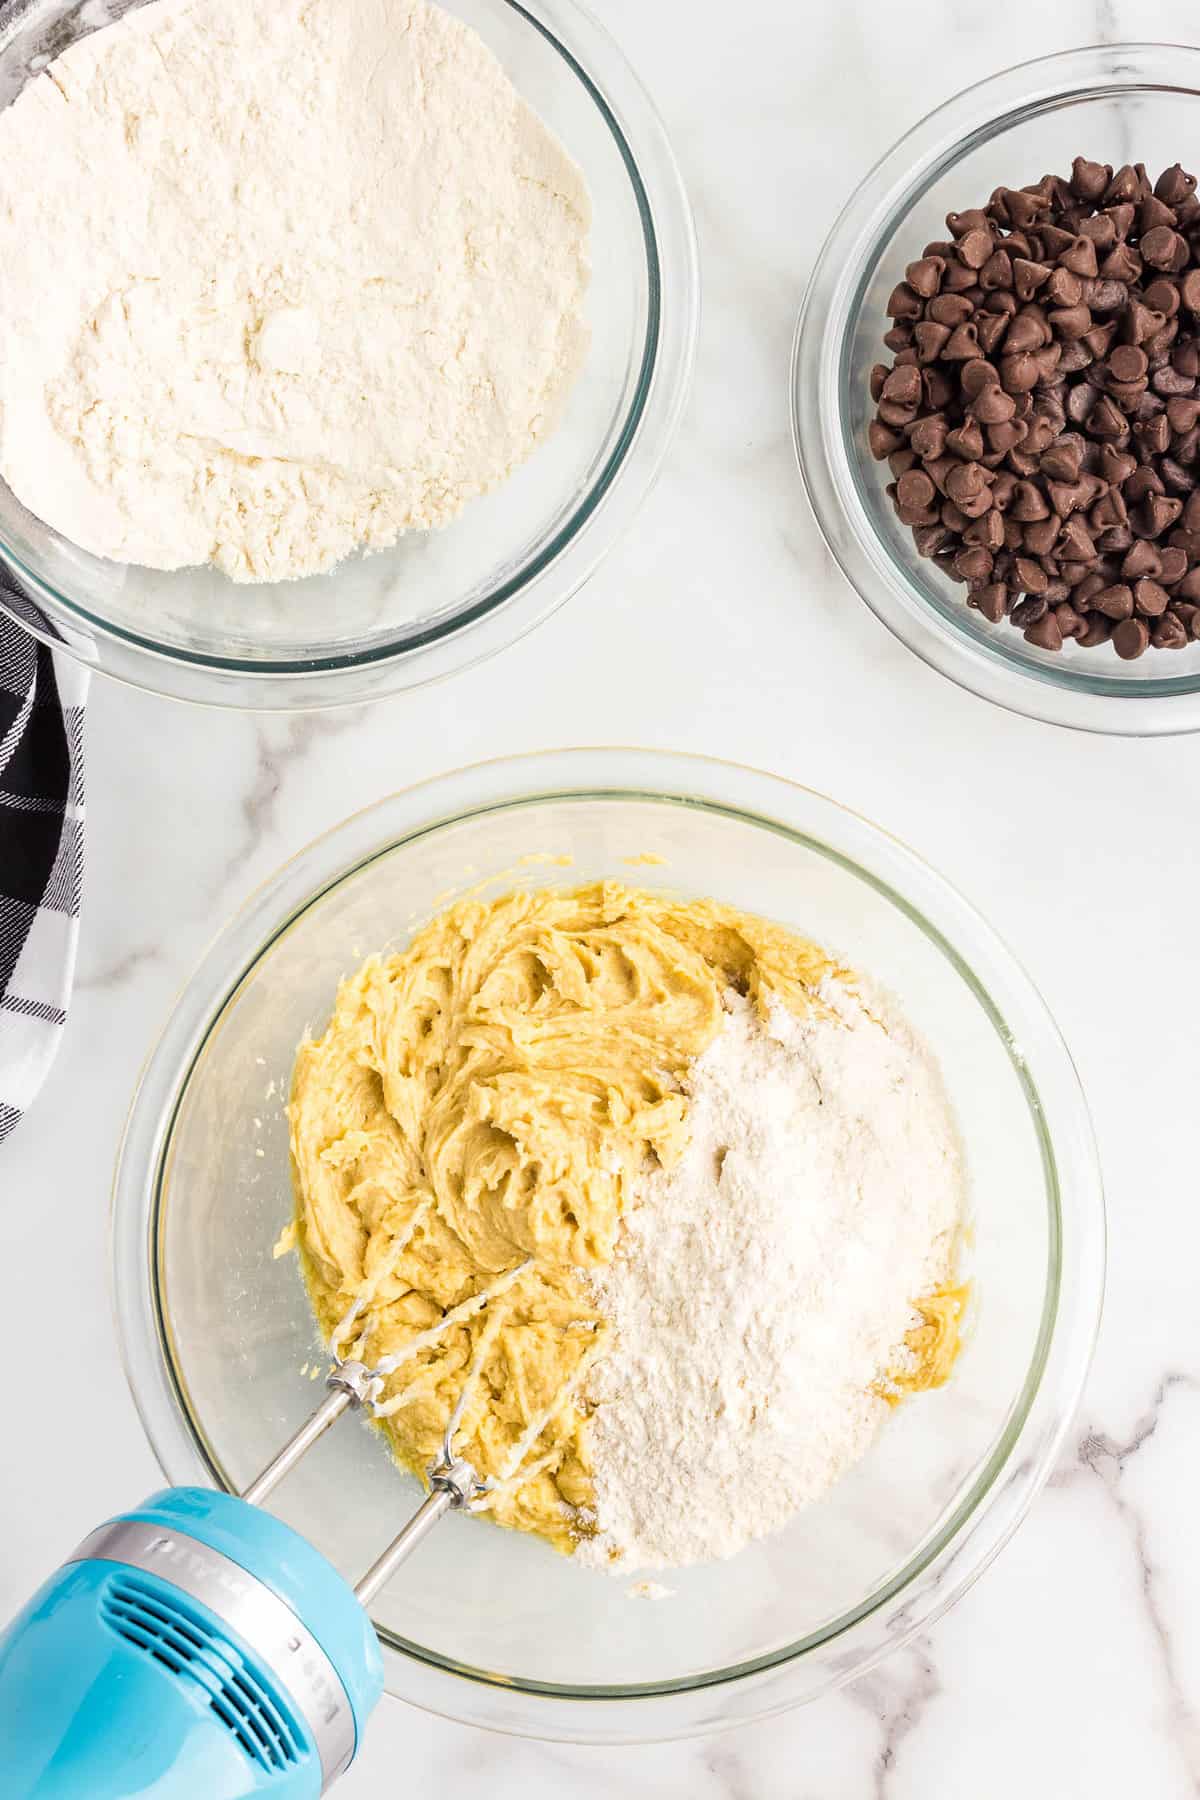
<point>719,625</point>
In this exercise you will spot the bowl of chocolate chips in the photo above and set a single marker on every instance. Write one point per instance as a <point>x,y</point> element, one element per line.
<point>996,389</point>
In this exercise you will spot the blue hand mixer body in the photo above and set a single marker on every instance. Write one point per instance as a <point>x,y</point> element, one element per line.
<point>197,1648</point>
<point>192,1647</point>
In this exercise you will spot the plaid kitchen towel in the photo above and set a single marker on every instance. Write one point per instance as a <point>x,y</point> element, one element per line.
<point>41,851</point>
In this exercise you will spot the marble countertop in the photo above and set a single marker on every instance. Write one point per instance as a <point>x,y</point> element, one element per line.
<point>720,625</point>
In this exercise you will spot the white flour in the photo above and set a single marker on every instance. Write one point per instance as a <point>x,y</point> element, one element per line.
<point>278,280</point>
<point>767,1281</point>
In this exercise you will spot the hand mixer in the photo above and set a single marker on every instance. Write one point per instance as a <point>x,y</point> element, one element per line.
<point>197,1646</point>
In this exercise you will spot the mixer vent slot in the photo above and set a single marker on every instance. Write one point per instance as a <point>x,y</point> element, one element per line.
<point>183,1641</point>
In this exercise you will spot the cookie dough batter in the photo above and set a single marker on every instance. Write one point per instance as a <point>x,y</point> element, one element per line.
<point>486,1100</point>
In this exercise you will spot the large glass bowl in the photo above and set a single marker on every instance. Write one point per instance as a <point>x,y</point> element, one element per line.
<point>440,599</point>
<point>486,1625</point>
<point>1114,103</point>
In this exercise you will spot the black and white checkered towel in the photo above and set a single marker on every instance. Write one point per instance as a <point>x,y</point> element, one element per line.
<point>41,852</point>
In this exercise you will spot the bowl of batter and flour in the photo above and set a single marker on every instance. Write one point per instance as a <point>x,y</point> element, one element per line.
<point>338,341</point>
<point>697,1145</point>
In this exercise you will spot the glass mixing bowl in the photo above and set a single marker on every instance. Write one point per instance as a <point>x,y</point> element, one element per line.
<point>486,1625</point>
<point>440,599</point>
<point>1114,103</point>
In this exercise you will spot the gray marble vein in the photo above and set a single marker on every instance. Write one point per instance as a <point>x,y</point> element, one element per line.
<point>1108,1459</point>
<point>280,751</point>
<point>898,1695</point>
<point>121,968</point>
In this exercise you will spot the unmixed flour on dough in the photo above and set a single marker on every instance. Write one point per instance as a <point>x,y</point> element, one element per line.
<point>278,281</point>
<point>765,1283</point>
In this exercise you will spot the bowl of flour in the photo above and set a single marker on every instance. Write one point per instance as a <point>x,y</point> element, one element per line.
<point>337,340</point>
<point>755,1522</point>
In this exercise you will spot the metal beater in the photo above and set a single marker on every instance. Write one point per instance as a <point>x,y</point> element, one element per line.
<point>197,1646</point>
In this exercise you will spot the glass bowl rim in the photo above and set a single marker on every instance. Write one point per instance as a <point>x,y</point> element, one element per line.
<point>1074,1280</point>
<point>671,275</point>
<point>831,466</point>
